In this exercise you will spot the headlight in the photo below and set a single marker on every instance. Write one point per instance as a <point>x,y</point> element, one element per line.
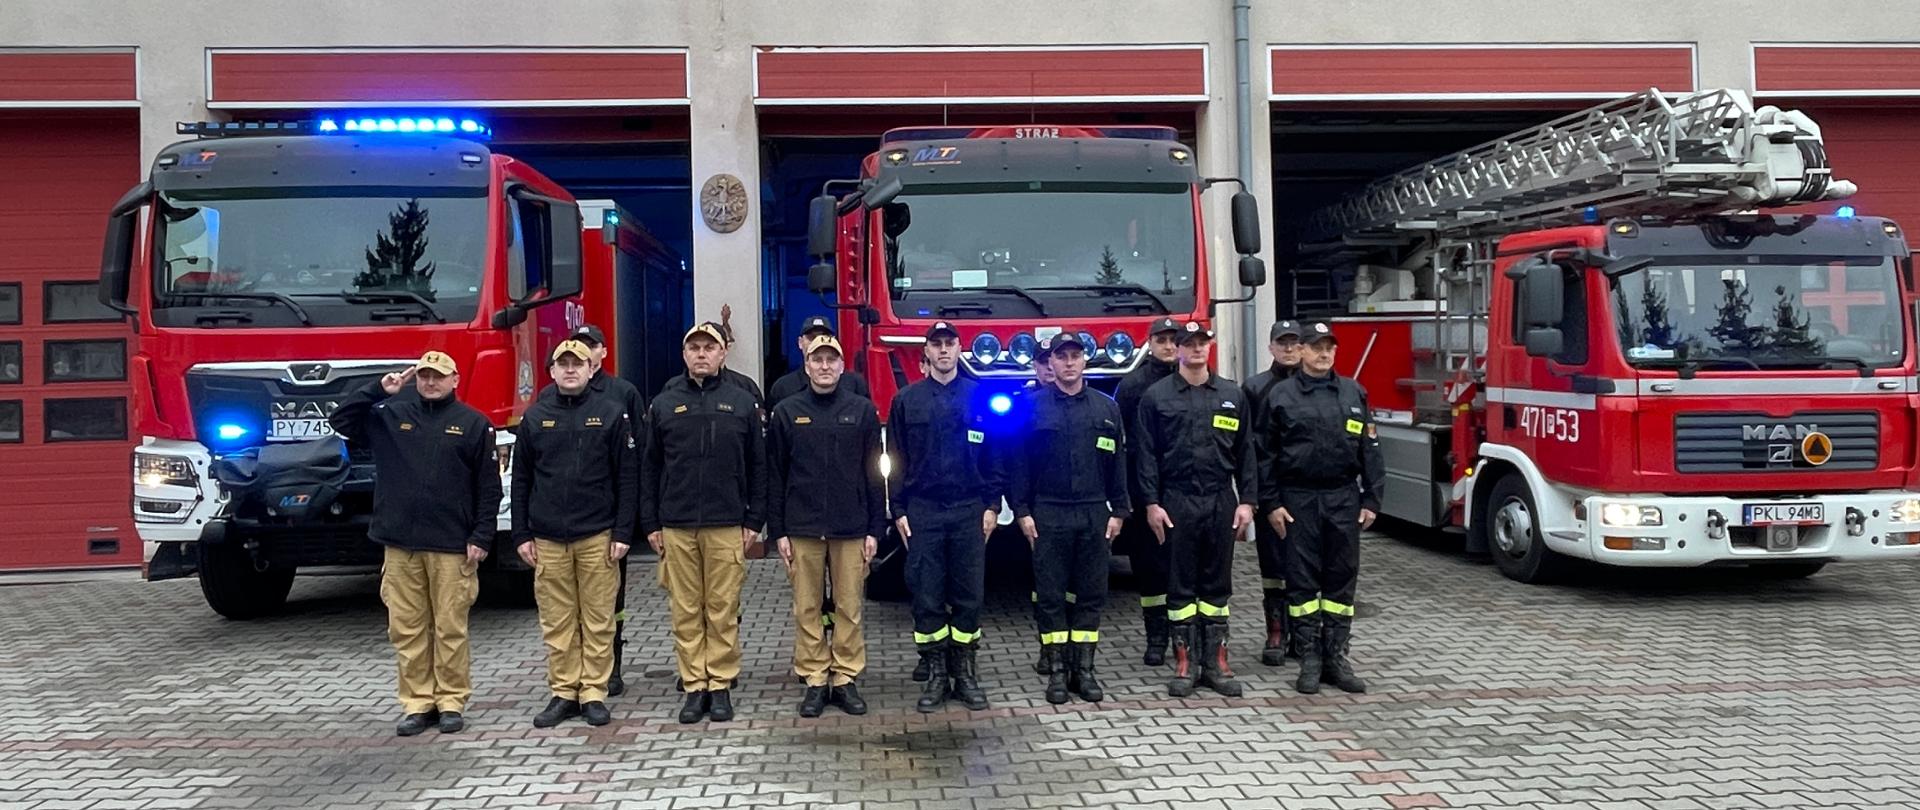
<point>1022,348</point>
<point>1629,515</point>
<point>1086,340</point>
<point>157,471</point>
<point>1119,348</point>
<point>1906,511</point>
<point>986,349</point>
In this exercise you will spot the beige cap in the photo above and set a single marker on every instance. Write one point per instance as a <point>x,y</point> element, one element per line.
<point>438,361</point>
<point>575,348</point>
<point>825,342</point>
<point>707,329</point>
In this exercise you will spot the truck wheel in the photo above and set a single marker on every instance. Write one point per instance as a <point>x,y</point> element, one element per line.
<point>236,590</point>
<point>1786,571</point>
<point>1514,537</point>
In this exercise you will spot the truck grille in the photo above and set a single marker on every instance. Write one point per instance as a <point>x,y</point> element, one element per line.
<point>1754,442</point>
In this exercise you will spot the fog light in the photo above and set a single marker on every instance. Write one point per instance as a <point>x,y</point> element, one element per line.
<point>161,507</point>
<point>1906,510</point>
<point>1635,543</point>
<point>1629,515</point>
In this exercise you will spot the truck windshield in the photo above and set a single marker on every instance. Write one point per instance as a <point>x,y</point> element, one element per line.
<point>1761,312</point>
<point>367,248</point>
<point>1042,253</point>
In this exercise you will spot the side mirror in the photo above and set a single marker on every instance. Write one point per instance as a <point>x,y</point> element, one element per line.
<point>1253,272</point>
<point>1544,342</point>
<point>513,315</point>
<point>1246,223</point>
<point>116,253</point>
<point>1539,289</point>
<point>565,275</point>
<point>1621,267</point>
<point>820,278</point>
<point>881,193</point>
<point>822,216</point>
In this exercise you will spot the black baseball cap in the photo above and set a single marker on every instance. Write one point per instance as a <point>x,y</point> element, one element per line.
<point>1285,329</point>
<point>942,328</point>
<point>1042,350</point>
<point>590,335</point>
<point>1320,331</point>
<point>1060,341</point>
<point>1192,330</point>
<point>816,323</point>
<point>1163,325</point>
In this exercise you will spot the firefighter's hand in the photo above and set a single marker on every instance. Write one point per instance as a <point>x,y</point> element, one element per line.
<point>1242,516</point>
<point>475,554</point>
<point>529,553</point>
<point>617,550</point>
<point>1159,521</point>
<point>868,549</point>
<point>1366,518</point>
<point>658,543</point>
<point>786,552</point>
<point>1113,528</point>
<point>1027,528</point>
<point>1278,519</point>
<point>394,381</point>
<point>906,532</point>
<point>989,520</point>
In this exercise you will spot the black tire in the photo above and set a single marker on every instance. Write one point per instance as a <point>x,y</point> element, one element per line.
<point>235,589</point>
<point>1786,571</point>
<point>1513,535</point>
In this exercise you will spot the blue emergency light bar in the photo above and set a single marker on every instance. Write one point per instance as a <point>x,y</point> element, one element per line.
<point>428,124</point>
<point>1031,132</point>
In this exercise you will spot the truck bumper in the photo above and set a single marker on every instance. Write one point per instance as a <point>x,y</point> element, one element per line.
<point>1697,531</point>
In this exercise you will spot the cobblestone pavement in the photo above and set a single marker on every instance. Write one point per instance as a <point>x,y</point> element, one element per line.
<point>1627,690</point>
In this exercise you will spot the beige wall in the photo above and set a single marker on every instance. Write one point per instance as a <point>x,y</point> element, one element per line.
<point>719,35</point>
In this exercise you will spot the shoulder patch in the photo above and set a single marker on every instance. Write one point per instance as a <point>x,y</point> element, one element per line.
<point>803,420</point>
<point>1354,426</point>
<point>1226,423</point>
<point>679,409</point>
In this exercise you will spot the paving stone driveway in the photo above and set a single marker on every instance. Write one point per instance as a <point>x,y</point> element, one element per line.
<point>1623,690</point>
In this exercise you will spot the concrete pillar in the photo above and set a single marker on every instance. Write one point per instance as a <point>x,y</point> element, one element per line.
<point>1217,150</point>
<point>726,140</point>
<point>173,88</point>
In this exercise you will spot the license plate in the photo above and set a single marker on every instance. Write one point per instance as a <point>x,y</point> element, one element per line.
<point>296,429</point>
<point>1768,514</point>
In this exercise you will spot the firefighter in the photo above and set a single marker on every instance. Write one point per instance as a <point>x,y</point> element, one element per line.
<point>1148,558</point>
<point>703,493</point>
<point>1322,489</point>
<point>1283,344</point>
<point>1070,495</point>
<point>826,508</point>
<point>575,474</point>
<point>435,500</point>
<point>797,380</point>
<point>636,410</point>
<point>1194,458</point>
<point>945,500</point>
<point>1007,440</point>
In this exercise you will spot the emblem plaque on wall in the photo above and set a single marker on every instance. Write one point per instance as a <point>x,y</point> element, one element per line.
<point>723,203</point>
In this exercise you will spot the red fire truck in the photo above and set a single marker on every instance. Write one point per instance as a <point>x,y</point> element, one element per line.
<point>270,268</point>
<point>1586,341</point>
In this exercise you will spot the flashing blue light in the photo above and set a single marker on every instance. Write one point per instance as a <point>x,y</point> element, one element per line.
<point>1000,404</point>
<point>1591,215</point>
<point>388,125</point>
<point>1844,212</point>
<point>405,124</point>
<point>327,125</point>
<point>230,432</point>
<point>368,125</point>
<point>443,124</point>
<point>469,125</point>
<point>613,218</point>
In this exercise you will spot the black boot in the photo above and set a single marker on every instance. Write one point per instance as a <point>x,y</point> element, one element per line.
<point>1044,663</point>
<point>1184,663</point>
<point>966,679</point>
<point>1056,674</point>
<point>1214,672</point>
<point>616,686</point>
<point>1156,621</point>
<point>1086,682</point>
<point>921,671</point>
<point>933,662</point>
<point>1334,640</point>
<point>720,706</point>
<point>415,723</point>
<point>1276,651</point>
<point>847,697</point>
<point>694,708</point>
<point>557,709</point>
<point>1306,641</point>
<point>814,703</point>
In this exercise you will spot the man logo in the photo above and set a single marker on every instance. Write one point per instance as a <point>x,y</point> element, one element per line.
<point>1816,448</point>
<point>309,372</point>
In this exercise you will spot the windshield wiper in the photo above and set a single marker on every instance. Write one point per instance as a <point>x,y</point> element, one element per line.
<point>279,298</point>
<point>1122,288</point>
<point>371,296</point>
<point>1003,290</point>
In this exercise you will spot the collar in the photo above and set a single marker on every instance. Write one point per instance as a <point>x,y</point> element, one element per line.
<point>1308,382</point>
<point>1185,386</point>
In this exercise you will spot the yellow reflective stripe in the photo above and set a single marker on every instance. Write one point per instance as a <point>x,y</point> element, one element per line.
<point>964,637</point>
<point>1336,608</point>
<point>929,638</point>
<point>1182,613</point>
<point>1086,636</point>
<point>620,616</point>
<point>1307,608</point>
<point>1059,637</point>
<point>1154,601</point>
<point>1214,611</point>
<point>1267,583</point>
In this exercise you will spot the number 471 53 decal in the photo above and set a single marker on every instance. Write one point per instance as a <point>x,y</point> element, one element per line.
<point>1556,424</point>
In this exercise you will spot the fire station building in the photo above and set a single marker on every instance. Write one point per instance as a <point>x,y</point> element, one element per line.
<point>657,103</point>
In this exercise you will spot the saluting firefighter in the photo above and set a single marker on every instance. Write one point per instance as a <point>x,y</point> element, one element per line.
<point>1194,460</point>
<point>1283,344</point>
<point>1321,491</point>
<point>826,508</point>
<point>703,494</point>
<point>1069,493</point>
<point>575,476</point>
<point>945,508</point>
<point>436,499</point>
<point>636,404</point>
<point>1147,556</point>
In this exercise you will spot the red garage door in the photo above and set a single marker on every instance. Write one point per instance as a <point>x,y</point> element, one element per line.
<point>1867,101</point>
<point>64,442</point>
<point>1874,147</point>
